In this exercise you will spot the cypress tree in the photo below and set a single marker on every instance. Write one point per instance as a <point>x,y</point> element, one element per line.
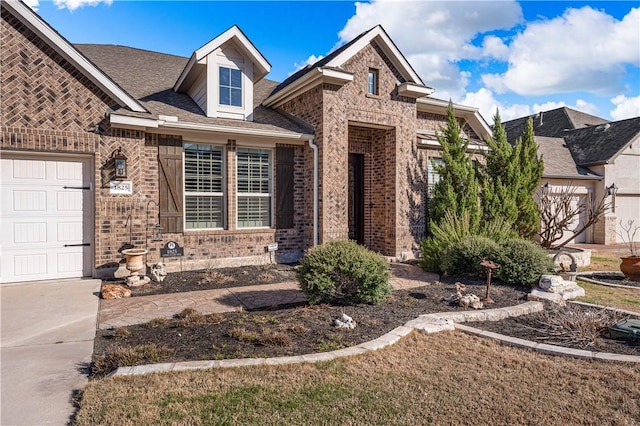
<point>530,168</point>
<point>500,177</point>
<point>457,189</point>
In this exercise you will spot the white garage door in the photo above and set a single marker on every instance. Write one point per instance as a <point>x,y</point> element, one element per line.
<point>44,218</point>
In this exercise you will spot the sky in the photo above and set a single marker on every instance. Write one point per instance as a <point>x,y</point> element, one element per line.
<point>519,57</point>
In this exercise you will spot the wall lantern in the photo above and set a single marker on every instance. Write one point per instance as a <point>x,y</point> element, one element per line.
<point>119,162</point>
<point>612,190</point>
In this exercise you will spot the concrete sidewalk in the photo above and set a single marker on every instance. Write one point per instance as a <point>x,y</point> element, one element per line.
<point>47,333</point>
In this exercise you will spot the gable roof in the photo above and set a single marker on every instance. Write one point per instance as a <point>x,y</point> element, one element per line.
<point>261,65</point>
<point>50,36</point>
<point>338,57</point>
<point>150,76</point>
<point>554,123</point>
<point>558,161</point>
<point>600,144</point>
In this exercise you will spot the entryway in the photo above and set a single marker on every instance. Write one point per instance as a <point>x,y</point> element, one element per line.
<point>45,217</point>
<point>356,198</point>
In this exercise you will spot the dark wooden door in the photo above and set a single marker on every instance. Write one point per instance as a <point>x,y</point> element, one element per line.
<point>356,198</point>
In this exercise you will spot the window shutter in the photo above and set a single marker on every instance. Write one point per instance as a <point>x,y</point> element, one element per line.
<point>284,187</point>
<point>170,185</point>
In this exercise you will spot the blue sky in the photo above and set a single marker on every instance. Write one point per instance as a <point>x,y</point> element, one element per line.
<point>521,57</point>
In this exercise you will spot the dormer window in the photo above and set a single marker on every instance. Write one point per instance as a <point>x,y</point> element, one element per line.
<point>373,82</point>
<point>230,87</point>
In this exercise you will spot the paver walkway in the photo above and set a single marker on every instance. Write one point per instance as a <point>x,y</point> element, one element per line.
<point>137,310</point>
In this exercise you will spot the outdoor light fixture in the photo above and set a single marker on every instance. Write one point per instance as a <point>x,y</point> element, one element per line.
<point>119,161</point>
<point>545,188</point>
<point>612,190</point>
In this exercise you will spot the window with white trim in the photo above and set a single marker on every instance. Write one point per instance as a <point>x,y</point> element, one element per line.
<point>372,82</point>
<point>254,187</point>
<point>203,186</point>
<point>230,86</point>
<point>433,176</point>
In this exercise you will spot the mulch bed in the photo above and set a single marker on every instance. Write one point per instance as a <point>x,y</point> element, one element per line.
<point>293,330</point>
<point>539,328</point>
<point>180,282</point>
<point>611,278</point>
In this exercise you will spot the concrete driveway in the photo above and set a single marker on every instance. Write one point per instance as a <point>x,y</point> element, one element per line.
<point>47,331</point>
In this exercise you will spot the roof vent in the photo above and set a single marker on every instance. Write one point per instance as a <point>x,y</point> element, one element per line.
<point>602,128</point>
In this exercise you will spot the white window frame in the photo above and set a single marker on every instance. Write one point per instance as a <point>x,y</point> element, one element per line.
<point>375,73</point>
<point>242,88</point>
<point>223,194</point>
<point>432,174</point>
<point>271,152</point>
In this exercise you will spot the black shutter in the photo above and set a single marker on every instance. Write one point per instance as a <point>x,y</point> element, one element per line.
<point>284,187</point>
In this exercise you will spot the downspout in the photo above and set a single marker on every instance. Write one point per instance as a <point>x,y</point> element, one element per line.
<point>315,191</point>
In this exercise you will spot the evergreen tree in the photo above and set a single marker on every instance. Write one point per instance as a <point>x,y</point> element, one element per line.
<point>500,177</point>
<point>457,189</point>
<point>530,168</point>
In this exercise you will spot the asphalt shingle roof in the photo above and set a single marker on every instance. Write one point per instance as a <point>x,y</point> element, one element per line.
<point>554,124</point>
<point>150,77</point>
<point>558,160</point>
<point>599,144</point>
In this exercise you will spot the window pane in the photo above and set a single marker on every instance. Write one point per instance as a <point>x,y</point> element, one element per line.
<point>433,176</point>
<point>203,212</point>
<point>236,97</point>
<point>204,175</point>
<point>224,76</point>
<point>236,78</point>
<point>225,96</point>
<point>254,211</point>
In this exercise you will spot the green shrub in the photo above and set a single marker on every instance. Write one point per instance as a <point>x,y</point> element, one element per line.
<point>522,262</point>
<point>463,257</point>
<point>343,271</point>
<point>454,228</point>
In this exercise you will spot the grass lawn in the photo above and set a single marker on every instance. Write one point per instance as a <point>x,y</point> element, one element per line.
<point>446,378</point>
<point>603,262</point>
<point>621,298</point>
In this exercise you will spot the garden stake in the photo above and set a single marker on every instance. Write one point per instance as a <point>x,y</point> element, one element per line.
<point>490,266</point>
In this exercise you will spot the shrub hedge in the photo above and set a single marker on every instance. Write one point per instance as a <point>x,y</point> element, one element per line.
<point>522,262</point>
<point>344,272</point>
<point>464,256</point>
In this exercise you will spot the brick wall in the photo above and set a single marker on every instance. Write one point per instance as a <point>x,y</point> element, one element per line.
<point>49,106</point>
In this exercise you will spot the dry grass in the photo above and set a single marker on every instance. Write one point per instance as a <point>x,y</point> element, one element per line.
<point>446,378</point>
<point>614,297</point>
<point>603,262</point>
<point>213,276</point>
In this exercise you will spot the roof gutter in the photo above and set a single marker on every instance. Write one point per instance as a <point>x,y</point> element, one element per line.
<point>572,177</point>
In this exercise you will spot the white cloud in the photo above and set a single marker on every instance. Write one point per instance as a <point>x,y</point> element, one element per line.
<point>75,4</point>
<point>433,35</point>
<point>582,50</point>
<point>486,102</point>
<point>580,105</point>
<point>33,4</point>
<point>309,61</point>
<point>625,107</point>
<point>494,47</point>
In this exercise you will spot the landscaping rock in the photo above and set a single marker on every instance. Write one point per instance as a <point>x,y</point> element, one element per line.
<point>345,322</point>
<point>114,291</point>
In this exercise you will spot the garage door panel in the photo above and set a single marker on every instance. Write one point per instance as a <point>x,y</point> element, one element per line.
<point>30,265</point>
<point>70,201</point>
<point>68,171</point>
<point>29,201</point>
<point>69,262</point>
<point>29,232</point>
<point>28,170</point>
<point>69,232</point>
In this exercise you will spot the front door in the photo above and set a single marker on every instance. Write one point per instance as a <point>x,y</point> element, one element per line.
<point>356,198</point>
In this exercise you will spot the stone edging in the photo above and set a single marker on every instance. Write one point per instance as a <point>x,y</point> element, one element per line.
<point>591,305</point>
<point>548,349</point>
<point>428,323</point>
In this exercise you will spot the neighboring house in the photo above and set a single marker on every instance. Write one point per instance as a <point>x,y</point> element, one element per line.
<point>226,161</point>
<point>592,154</point>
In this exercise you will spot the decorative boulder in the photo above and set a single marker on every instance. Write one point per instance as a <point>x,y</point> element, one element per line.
<point>345,322</point>
<point>158,272</point>
<point>115,291</point>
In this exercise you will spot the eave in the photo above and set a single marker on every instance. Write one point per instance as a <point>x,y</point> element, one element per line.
<point>308,81</point>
